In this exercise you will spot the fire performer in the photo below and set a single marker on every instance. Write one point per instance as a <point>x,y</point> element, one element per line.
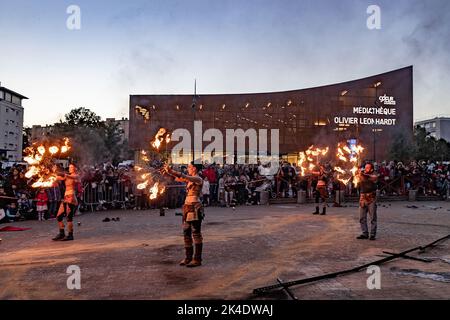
<point>69,205</point>
<point>367,201</point>
<point>320,180</point>
<point>193,214</point>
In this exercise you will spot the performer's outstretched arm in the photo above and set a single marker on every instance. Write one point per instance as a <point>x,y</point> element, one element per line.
<point>182,177</point>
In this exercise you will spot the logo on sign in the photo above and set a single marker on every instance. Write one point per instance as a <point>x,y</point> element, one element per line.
<point>386,100</point>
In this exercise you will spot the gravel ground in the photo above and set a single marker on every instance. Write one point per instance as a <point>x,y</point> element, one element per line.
<point>246,248</point>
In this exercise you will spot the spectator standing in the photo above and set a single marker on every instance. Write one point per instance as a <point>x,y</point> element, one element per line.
<point>41,204</point>
<point>205,191</point>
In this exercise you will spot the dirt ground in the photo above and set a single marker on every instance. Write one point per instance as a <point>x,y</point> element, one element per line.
<point>246,248</point>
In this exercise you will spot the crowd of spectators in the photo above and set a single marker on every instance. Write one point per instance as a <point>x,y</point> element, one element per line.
<point>105,186</point>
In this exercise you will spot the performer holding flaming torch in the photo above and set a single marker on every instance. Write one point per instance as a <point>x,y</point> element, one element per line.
<point>69,205</point>
<point>192,214</point>
<point>367,201</point>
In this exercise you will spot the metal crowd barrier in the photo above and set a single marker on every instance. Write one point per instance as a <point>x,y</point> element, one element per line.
<point>103,193</point>
<point>124,195</point>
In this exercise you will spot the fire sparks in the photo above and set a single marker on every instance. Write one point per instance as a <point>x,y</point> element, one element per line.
<point>40,159</point>
<point>349,160</point>
<point>306,160</point>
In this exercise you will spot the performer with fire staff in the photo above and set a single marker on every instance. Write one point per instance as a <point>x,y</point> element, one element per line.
<point>193,213</point>
<point>320,181</point>
<point>69,205</point>
<point>367,201</point>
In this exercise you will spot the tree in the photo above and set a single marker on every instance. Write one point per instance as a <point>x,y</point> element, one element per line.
<point>26,135</point>
<point>82,117</point>
<point>93,141</point>
<point>423,144</point>
<point>427,147</point>
<point>113,140</point>
<point>442,150</point>
<point>401,148</point>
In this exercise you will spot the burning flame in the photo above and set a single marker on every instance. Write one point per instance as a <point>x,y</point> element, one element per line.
<point>40,160</point>
<point>142,185</point>
<point>66,146</point>
<point>53,149</point>
<point>146,176</point>
<point>349,160</point>
<point>41,150</point>
<point>160,137</point>
<point>306,161</point>
<point>156,190</point>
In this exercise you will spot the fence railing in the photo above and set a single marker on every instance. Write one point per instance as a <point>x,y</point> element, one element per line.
<point>125,196</point>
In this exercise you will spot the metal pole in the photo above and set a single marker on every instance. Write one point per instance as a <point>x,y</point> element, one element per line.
<point>194,100</point>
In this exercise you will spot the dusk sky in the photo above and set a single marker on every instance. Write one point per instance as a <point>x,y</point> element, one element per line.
<point>158,47</point>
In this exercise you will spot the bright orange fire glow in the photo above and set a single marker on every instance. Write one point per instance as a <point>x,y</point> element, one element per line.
<point>161,136</point>
<point>306,161</point>
<point>156,190</point>
<point>53,149</point>
<point>147,176</point>
<point>40,159</point>
<point>349,160</point>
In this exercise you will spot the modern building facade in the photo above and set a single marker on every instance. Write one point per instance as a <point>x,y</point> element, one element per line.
<point>369,111</point>
<point>438,127</point>
<point>11,125</point>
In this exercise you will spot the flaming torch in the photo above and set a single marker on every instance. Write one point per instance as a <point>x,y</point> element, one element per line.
<point>158,138</point>
<point>150,178</point>
<point>40,159</point>
<point>310,158</point>
<point>348,160</point>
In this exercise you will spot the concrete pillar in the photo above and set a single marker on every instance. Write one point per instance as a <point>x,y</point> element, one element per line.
<point>301,196</point>
<point>412,195</point>
<point>264,197</point>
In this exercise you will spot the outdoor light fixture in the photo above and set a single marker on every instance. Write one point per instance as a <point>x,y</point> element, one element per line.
<point>376,85</point>
<point>247,104</point>
<point>223,106</point>
<point>343,93</point>
<point>289,103</point>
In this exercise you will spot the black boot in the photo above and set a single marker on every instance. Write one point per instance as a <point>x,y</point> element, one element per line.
<point>69,237</point>
<point>189,253</point>
<point>197,261</point>
<point>317,211</point>
<point>60,236</point>
<point>324,211</point>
